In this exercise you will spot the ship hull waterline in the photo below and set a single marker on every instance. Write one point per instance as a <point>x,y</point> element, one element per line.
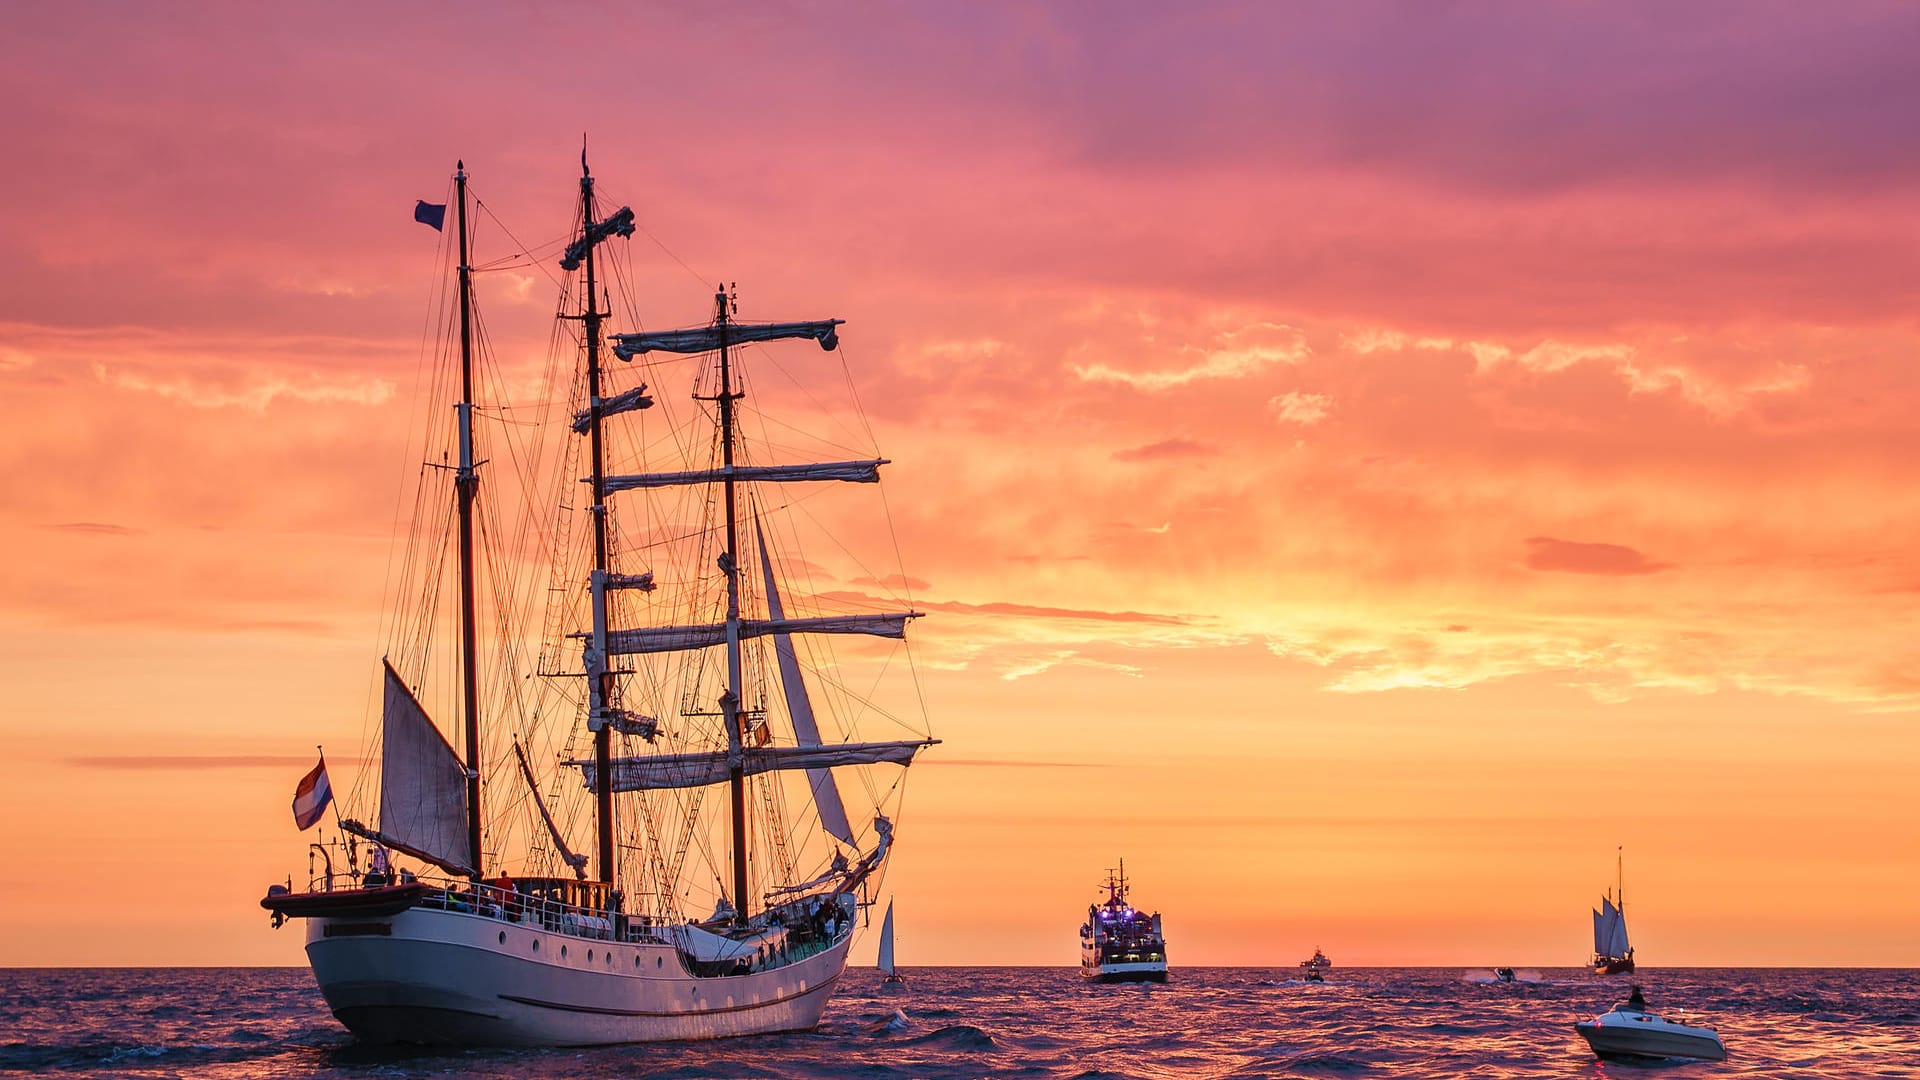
<point>435,977</point>
<point>1124,973</point>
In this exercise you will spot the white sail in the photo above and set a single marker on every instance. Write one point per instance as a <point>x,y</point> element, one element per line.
<point>806,731</point>
<point>701,339</point>
<point>423,785</point>
<point>886,942</point>
<point>853,472</point>
<point>701,769</point>
<point>1599,934</point>
<point>653,639</point>
<point>1617,935</point>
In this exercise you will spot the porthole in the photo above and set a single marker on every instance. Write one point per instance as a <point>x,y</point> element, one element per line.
<point>636,959</point>
<point>609,959</point>
<point>589,956</point>
<point>503,937</point>
<point>536,944</point>
<point>659,961</point>
<point>563,952</point>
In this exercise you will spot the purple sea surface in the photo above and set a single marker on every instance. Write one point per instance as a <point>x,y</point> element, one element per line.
<point>1014,1022</point>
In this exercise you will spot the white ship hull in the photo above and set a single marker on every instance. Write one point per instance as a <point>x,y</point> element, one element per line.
<point>1139,971</point>
<point>449,977</point>
<point>1626,1035</point>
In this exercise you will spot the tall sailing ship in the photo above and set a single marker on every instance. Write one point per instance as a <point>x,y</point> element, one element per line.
<point>1120,943</point>
<point>1612,952</point>
<point>667,665</point>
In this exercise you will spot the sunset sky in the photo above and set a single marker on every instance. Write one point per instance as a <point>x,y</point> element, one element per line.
<point>1365,462</point>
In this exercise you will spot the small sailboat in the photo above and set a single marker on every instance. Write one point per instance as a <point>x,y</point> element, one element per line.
<point>889,976</point>
<point>1612,952</point>
<point>624,668</point>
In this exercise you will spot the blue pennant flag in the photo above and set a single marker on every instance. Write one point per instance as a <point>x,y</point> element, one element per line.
<point>434,214</point>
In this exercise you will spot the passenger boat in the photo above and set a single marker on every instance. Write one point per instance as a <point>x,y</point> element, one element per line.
<point>1119,943</point>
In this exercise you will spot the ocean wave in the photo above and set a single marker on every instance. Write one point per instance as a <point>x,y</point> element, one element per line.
<point>1032,1023</point>
<point>1327,1065</point>
<point>960,1037</point>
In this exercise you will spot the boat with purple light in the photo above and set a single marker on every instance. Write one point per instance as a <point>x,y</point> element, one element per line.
<point>1119,943</point>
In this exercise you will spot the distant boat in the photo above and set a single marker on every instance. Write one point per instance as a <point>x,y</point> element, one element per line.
<point>1314,968</point>
<point>1504,975</point>
<point>1120,944</point>
<point>890,976</point>
<point>1612,952</point>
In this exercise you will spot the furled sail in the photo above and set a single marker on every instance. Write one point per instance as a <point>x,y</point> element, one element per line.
<point>701,769</point>
<point>853,472</point>
<point>707,338</point>
<point>423,785</point>
<point>806,731</point>
<point>626,401</point>
<point>653,639</point>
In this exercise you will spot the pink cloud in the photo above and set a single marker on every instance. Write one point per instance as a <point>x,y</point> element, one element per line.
<point>1576,557</point>
<point>1165,449</point>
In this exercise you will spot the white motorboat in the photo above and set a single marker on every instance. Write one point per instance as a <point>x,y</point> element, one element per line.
<point>1630,1033</point>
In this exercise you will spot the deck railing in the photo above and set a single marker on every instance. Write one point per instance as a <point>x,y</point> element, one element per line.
<point>805,923</point>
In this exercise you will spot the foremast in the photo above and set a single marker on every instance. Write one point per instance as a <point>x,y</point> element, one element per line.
<point>467,484</point>
<point>600,676</point>
<point>600,683</point>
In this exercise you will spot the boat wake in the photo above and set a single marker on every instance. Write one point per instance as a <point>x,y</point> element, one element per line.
<point>1488,975</point>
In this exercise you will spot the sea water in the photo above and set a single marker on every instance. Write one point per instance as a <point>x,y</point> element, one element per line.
<point>1016,1022</point>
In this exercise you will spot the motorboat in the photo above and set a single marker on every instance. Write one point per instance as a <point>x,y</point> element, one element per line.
<point>1628,1032</point>
<point>1315,967</point>
<point>1504,975</point>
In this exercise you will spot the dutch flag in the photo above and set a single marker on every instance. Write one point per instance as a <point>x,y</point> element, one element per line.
<point>310,799</point>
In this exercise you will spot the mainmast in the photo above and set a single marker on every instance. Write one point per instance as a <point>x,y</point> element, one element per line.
<point>730,701</point>
<point>467,484</point>
<point>600,678</point>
